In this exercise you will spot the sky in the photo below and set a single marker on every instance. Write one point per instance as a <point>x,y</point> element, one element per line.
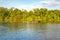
<point>30,4</point>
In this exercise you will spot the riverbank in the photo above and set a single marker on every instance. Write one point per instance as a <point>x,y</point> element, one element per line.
<point>38,15</point>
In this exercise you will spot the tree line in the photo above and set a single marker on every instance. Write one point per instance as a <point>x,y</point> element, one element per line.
<point>37,15</point>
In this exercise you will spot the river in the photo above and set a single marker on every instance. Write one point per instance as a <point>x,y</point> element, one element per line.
<point>30,31</point>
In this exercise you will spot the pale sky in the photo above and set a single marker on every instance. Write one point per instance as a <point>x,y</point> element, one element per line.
<point>31,4</point>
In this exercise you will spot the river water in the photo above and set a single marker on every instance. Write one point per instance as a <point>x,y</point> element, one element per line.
<point>30,31</point>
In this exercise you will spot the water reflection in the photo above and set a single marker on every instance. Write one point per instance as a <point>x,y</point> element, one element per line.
<point>29,31</point>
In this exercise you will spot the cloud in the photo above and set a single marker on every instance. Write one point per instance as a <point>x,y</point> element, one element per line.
<point>56,0</point>
<point>50,4</point>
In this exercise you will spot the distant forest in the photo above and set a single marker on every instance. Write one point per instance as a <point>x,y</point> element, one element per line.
<point>38,15</point>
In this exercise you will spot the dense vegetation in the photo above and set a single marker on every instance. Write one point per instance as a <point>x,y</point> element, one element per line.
<point>37,15</point>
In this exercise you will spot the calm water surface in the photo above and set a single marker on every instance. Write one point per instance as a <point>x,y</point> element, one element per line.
<point>30,31</point>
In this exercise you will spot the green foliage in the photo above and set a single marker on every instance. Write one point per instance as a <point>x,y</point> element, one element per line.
<point>41,15</point>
